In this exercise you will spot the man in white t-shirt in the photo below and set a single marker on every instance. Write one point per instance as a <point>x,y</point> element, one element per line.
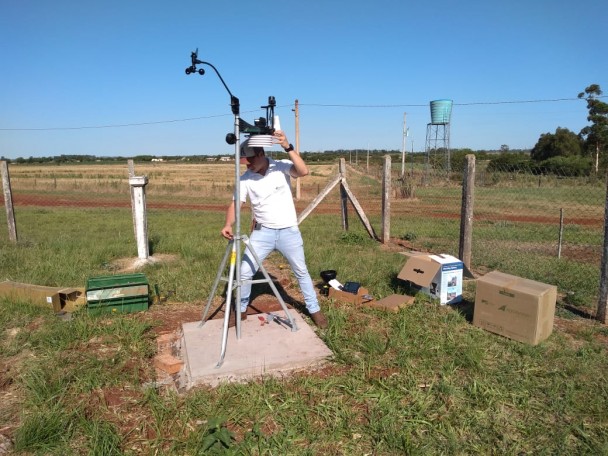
<point>266,184</point>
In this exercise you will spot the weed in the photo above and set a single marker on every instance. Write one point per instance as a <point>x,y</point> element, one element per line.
<point>353,238</point>
<point>215,438</point>
<point>409,236</point>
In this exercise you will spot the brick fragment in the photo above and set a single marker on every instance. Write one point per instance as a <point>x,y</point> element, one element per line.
<point>168,363</point>
<point>164,342</point>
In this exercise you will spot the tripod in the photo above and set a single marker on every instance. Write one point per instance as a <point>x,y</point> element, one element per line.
<point>234,248</point>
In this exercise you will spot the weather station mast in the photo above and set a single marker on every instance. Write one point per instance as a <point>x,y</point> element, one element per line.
<point>230,266</point>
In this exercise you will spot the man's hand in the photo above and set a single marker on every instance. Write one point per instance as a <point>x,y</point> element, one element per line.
<point>299,168</point>
<point>230,219</point>
<point>227,232</point>
<point>281,139</point>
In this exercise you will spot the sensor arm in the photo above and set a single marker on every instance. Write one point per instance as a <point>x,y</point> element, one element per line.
<point>234,101</point>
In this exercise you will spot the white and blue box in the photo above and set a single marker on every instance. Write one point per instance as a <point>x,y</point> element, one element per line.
<point>439,276</point>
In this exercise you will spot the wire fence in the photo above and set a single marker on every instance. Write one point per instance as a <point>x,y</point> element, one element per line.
<point>547,227</point>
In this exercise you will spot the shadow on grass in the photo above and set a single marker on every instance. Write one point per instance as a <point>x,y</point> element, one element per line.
<point>465,308</point>
<point>588,314</point>
<point>264,289</point>
<point>258,291</point>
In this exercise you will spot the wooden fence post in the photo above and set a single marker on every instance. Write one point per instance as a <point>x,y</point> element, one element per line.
<point>601,314</point>
<point>8,201</point>
<point>466,213</point>
<point>386,200</point>
<point>343,195</point>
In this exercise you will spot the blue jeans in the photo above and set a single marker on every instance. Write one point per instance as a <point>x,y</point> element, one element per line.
<point>288,241</point>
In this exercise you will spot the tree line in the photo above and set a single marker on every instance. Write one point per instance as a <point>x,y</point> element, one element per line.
<point>327,156</point>
<point>565,152</point>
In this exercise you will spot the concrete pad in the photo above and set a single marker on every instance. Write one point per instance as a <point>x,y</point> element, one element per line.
<point>263,349</point>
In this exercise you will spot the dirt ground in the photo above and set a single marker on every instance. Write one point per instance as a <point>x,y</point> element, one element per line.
<point>168,316</point>
<point>398,206</point>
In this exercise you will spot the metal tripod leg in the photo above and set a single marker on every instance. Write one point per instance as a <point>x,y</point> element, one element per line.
<point>292,322</point>
<point>227,308</point>
<point>216,283</point>
<point>231,250</point>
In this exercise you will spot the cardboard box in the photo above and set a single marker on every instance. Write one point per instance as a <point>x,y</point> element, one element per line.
<point>466,273</point>
<point>350,298</point>
<point>76,300</point>
<point>439,276</point>
<point>520,309</point>
<point>391,303</point>
<point>57,299</point>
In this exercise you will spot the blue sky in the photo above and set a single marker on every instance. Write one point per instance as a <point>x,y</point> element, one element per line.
<point>107,78</point>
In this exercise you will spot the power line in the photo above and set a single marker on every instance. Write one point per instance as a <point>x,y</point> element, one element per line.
<point>115,125</point>
<point>322,105</point>
<point>455,104</point>
<point>92,127</point>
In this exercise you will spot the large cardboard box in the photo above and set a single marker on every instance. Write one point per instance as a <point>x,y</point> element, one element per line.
<point>439,276</point>
<point>518,308</point>
<point>58,299</point>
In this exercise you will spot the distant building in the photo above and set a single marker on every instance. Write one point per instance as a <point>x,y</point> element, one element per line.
<point>225,159</point>
<point>158,159</point>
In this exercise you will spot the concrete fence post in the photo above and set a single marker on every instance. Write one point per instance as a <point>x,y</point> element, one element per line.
<point>138,184</point>
<point>131,166</point>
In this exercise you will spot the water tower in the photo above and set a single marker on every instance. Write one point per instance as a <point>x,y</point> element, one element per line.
<point>438,133</point>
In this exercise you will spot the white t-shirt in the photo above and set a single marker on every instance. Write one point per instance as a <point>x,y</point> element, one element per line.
<point>270,195</point>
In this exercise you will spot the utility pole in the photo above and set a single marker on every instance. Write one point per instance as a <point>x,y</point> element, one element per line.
<point>405,134</point>
<point>412,157</point>
<point>297,115</point>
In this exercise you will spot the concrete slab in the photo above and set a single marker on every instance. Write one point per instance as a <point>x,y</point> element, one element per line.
<point>263,350</point>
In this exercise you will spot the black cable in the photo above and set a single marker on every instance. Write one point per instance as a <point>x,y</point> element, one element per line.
<point>300,104</point>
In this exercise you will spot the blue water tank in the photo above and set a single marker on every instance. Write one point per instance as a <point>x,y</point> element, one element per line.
<point>441,111</point>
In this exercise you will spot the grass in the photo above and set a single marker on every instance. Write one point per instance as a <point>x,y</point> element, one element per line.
<point>421,381</point>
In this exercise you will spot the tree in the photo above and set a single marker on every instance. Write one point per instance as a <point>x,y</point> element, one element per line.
<point>510,162</point>
<point>596,134</point>
<point>562,143</point>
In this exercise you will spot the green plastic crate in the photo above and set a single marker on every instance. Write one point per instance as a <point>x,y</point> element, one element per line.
<point>117,293</point>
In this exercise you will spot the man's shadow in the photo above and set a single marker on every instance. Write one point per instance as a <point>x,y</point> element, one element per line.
<point>258,291</point>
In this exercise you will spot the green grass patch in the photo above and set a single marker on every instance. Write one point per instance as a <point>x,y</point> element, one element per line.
<point>420,381</point>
